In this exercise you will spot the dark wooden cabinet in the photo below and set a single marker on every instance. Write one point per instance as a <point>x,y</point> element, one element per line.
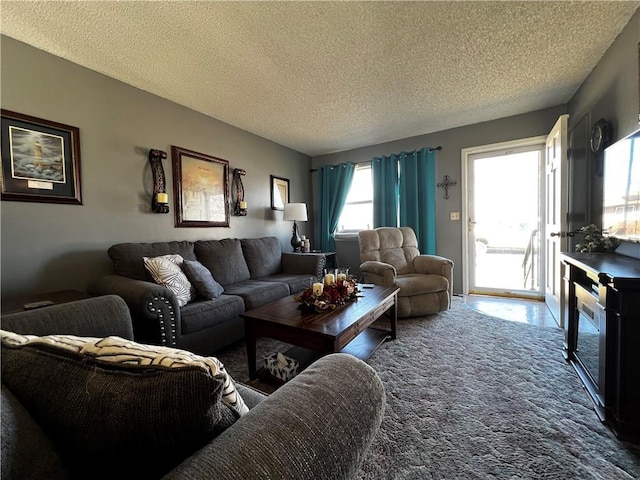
<point>603,334</point>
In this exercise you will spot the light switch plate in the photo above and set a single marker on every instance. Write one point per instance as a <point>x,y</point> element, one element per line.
<point>455,215</point>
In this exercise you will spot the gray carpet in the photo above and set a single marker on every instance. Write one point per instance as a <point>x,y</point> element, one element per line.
<point>475,397</point>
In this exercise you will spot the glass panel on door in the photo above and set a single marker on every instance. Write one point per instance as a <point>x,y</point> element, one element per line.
<point>504,223</point>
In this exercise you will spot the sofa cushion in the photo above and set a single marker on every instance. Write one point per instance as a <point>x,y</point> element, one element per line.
<point>200,315</point>
<point>263,256</point>
<point>297,283</point>
<point>395,246</point>
<point>110,399</point>
<point>256,292</point>
<point>201,278</point>
<point>224,259</point>
<point>418,284</point>
<point>22,436</point>
<point>252,396</point>
<point>166,271</point>
<point>127,257</point>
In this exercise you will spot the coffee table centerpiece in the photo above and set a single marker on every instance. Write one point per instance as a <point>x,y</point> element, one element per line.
<point>332,292</point>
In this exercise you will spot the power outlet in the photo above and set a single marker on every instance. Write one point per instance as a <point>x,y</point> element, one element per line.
<point>455,215</point>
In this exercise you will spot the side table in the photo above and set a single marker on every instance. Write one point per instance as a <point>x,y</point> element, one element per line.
<point>22,303</point>
<point>329,259</point>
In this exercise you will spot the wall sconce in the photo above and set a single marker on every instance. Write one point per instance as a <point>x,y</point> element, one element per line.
<point>160,199</point>
<point>240,207</point>
<point>295,211</point>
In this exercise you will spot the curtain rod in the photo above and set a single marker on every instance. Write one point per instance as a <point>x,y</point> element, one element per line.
<point>431,149</point>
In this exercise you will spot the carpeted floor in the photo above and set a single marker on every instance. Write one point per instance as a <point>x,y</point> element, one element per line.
<point>475,397</point>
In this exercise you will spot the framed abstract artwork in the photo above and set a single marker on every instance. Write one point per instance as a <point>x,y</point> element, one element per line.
<point>40,160</point>
<point>201,189</point>
<point>279,192</point>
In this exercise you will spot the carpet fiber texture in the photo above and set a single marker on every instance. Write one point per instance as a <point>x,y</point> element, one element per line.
<point>475,397</point>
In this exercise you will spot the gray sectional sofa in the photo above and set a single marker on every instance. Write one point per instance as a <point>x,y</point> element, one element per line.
<point>65,416</point>
<point>252,272</point>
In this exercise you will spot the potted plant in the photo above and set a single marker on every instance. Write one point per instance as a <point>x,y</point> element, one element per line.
<point>595,241</point>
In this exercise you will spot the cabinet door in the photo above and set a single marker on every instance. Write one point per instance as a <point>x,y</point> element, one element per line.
<point>623,359</point>
<point>590,339</point>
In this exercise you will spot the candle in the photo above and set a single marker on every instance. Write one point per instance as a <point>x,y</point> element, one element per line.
<point>342,277</point>
<point>329,279</point>
<point>163,198</point>
<point>243,205</point>
<point>317,289</point>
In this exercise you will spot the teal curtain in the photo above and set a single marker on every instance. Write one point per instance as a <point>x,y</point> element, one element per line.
<point>404,194</point>
<point>384,171</point>
<point>418,196</point>
<point>334,182</point>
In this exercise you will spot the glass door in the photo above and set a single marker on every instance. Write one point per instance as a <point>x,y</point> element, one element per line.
<point>504,210</point>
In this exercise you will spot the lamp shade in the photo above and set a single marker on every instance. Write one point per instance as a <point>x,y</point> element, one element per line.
<point>295,211</point>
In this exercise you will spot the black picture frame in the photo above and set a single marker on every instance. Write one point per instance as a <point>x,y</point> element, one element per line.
<point>279,192</point>
<point>200,188</point>
<point>40,160</point>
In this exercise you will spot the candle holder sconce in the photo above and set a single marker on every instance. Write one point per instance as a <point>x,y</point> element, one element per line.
<point>160,199</point>
<point>240,207</point>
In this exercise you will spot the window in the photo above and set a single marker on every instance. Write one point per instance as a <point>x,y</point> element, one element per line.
<point>357,213</point>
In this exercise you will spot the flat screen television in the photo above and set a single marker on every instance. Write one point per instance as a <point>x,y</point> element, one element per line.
<point>621,189</point>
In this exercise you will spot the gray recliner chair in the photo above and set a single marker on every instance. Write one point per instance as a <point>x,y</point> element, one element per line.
<point>391,257</point>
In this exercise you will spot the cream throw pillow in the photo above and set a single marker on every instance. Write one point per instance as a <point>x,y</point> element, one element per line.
<point>166,271</point>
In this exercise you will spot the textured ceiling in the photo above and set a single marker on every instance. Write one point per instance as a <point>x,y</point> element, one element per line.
<point>322,77</point>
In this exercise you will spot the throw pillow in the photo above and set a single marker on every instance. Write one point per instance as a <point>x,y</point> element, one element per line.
<point>108,401</point>
<point>202,279</point>
<point>166,271</point>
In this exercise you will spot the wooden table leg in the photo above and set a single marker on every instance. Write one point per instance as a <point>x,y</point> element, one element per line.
<point>393,315</point>
<point>250,341</point>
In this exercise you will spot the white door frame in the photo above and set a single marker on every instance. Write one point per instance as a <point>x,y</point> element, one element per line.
<point>465,154</point>
<point>555,239</point>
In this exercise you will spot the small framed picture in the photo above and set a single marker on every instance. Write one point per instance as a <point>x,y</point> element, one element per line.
<point>279,192</point>
<point>40,160</point>
<point>201,189</point>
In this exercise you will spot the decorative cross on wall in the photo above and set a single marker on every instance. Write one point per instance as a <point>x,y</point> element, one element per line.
<point>446,184</point>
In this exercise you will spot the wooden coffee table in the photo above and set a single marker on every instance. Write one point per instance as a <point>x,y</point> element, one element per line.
<point>346,329</point>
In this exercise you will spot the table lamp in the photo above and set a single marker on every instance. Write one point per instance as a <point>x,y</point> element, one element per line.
<point>295,212</point>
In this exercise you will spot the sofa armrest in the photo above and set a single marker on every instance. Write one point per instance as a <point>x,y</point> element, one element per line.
<point>303,263</point>
<point>154,309</point>
<point>437,265</point>
<point>317,426</point>
<point>92,317</point>
<point>379,273</point>
<point>433,264</point>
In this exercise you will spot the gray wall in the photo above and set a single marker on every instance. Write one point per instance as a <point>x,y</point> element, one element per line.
<point>449,162</point>
<point>610,92</point>
<point>47,247</point>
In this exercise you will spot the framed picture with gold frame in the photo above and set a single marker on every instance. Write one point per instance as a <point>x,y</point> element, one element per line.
<point>279,192</point>
<point>200,188</point>
<point>40,160</point>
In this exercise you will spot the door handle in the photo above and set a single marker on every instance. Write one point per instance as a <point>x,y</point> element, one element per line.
<point>562,234</point>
